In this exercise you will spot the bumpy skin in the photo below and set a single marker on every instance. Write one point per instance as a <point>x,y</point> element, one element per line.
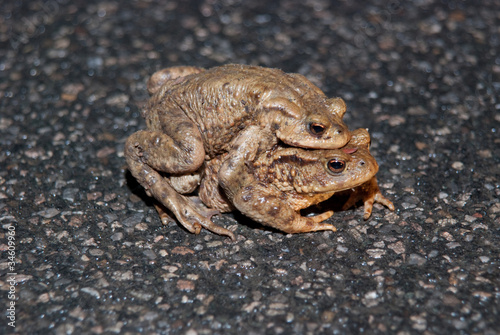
<point>195,114</point>
<point>223,100</point>
<point>284,180</point>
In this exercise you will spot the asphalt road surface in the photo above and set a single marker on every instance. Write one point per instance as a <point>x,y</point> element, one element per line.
<point>84,252</point>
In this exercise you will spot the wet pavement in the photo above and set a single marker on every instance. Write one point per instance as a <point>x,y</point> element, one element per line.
<point>84,252</point>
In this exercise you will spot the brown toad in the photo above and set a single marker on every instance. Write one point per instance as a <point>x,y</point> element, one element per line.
<point>280,182</point>
<point>195,114</point>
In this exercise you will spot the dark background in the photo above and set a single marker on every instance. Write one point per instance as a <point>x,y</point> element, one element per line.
<point>91,254</point>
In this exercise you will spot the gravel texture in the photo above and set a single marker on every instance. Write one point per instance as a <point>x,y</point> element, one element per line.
<point>91,256</point>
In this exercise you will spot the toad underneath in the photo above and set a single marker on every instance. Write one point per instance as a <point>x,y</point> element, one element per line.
<point>284,180</point>
<point>195,115</point>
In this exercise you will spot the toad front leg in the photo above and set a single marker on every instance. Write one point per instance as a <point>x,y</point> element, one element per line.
<point>177,149</point>
<point>265,204</point>
<point>369,193</point>
<point>235,171</point>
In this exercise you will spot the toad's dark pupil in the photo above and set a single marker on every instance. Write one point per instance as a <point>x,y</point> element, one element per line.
<point>336,166</point>
<point>316,128</point>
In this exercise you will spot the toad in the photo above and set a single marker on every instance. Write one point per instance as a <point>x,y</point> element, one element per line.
<point>280,182</point>
<point>195,115</point>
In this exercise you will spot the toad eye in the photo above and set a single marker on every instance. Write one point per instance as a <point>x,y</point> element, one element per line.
<point>316,128</point>
<point>336,166</point>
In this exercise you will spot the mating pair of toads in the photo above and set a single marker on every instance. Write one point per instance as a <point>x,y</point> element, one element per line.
<point>255,139</point>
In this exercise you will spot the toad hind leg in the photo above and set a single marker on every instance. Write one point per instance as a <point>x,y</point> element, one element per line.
<point>264,205</point>
<point>192,211</point>
<point>187,213</point>
<point>144,151</point>
<point>206,212</point>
